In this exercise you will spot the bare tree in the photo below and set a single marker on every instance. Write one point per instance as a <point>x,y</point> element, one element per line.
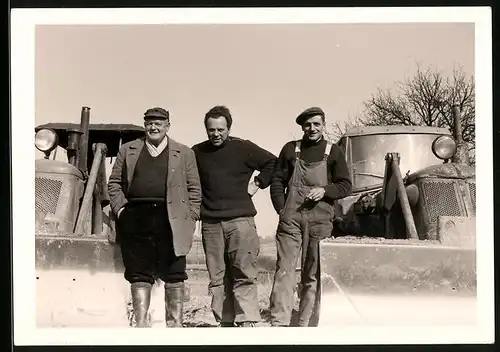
<point>422,100</point>
<point>336,130</point>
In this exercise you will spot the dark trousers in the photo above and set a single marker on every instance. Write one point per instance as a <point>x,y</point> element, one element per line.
<point>231,250</point>
<point>147,245</point>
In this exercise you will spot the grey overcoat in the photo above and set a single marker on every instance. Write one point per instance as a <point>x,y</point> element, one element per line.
<point>182,184</point>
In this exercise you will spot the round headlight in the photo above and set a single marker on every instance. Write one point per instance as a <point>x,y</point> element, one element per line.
<point>444,147</point>
<point>46,140</point>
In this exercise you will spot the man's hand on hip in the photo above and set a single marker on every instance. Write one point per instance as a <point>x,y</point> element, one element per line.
<point>252,188</point>
<point>316,194</point>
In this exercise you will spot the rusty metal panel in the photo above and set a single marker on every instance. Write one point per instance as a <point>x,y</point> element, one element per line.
<point>444,171</point>
<point>457,231</point>
<point>90,254</point>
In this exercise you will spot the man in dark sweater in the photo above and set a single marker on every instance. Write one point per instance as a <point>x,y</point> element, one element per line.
<point>155,192</point>
<point>229,234</point>
<point>311,174</point>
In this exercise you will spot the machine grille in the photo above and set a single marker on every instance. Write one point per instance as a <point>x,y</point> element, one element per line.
<point>472,191</point>
<point>440,199</point>
<point>47,193</point>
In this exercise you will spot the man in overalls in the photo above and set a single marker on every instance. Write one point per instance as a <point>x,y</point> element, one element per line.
<point>311,174</point>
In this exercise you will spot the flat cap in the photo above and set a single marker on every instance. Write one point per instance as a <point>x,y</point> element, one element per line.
<point>309,112</point>
<point>156,113</point>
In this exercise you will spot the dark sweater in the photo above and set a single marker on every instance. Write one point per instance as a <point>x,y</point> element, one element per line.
<point>150,177</point>
<point>338,174</point>
<point>225,172</point>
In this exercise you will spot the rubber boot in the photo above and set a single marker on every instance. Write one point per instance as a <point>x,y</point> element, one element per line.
<point>174,304</point>
<point>141,298</point>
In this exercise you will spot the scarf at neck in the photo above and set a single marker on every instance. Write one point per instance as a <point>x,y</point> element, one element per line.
<point>155,151</point>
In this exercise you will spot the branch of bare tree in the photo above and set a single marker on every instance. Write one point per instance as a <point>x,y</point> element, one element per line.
<point>422,100</point>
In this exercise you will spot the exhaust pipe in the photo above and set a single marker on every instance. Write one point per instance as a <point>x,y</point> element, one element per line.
<point>74,135</point>
<point>457,123</point>
<point>462,154</point>
<point>84,140</point>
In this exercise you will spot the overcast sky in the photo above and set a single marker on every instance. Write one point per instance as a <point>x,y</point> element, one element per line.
<point>265,74</point>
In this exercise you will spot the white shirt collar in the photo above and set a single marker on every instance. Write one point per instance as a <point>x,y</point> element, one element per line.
<point>155,151</point>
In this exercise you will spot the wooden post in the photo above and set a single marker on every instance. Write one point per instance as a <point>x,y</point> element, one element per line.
<point>403,198</point>
<point>101,150</point>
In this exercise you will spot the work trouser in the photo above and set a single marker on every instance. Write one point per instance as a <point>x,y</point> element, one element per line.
<point>147,245</point>
<point>231,249</point>
<point>295,233</point>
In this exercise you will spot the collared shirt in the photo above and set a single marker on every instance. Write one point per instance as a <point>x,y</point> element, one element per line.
<point>155,151</point>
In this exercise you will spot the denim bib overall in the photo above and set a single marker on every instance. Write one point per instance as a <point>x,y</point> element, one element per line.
<point>302,225</point>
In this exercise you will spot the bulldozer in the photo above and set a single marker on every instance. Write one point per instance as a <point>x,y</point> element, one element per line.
<point>78,261</point>
<point>408,230</point>
<point>71,194</point>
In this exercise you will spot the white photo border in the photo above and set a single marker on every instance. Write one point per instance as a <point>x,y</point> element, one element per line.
<point>23,22</point>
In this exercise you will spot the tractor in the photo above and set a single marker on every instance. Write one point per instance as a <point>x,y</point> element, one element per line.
<point>408,228</point>
<point>434,200</point>
<point>71,194</point>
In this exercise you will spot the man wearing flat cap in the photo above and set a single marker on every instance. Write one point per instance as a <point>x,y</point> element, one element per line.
<point>155,193</point>
<point>311,173</point>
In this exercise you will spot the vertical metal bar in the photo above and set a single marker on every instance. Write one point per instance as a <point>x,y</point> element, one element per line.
<point>348,149</point>
<point>461,156</point>
<point>457,123</point>
<point>72,157</point>
<point>97,218</point>
<point>84,139</point>
<point>387,174</point>
<point>73,146</point>
<point>463,187</point>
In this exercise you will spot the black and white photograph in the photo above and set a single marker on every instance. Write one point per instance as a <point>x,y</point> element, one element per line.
<point>267,169</point>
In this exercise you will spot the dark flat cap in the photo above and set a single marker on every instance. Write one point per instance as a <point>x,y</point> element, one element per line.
<point>309,112</point>
<point>156,113</point>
